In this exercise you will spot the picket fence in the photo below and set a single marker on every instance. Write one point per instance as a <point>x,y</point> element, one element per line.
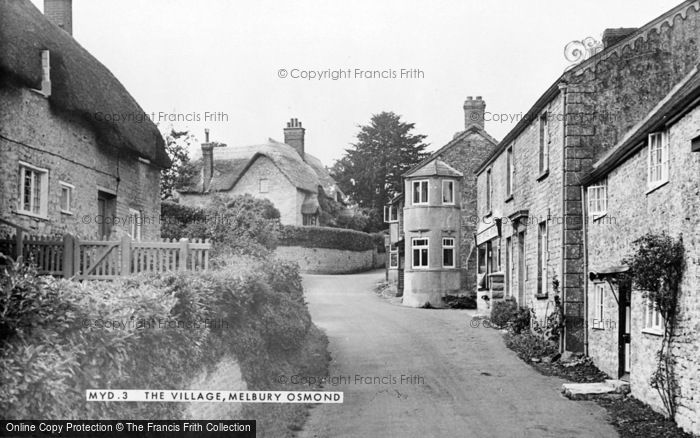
<point>80,259</point>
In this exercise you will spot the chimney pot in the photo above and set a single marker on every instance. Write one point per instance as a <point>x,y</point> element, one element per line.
<point>294,136</point>
<point>60,12</point>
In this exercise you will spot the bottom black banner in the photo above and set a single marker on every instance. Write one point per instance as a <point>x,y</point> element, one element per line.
<point>128,428</point>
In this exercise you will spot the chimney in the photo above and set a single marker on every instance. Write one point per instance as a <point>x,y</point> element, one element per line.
<point>474,110</point>
<point>294,136</point>
<point>207,161</point>
<point>60,12</point>
<point>613,36</point>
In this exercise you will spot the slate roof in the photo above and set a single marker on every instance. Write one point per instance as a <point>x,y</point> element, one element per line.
<point>434,168</point>
<point>81,85</point>
<point>231,162</point>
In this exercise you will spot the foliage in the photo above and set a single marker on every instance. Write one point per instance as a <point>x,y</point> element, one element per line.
<point>177,144</point>
<point>324,237</point>
<point>503,311</point>
<point>529,345</point>
<point>657,267</point>
<point>456,302</point>
<point>370,171</point>
<point>237,225</point>
<point>146,332</point>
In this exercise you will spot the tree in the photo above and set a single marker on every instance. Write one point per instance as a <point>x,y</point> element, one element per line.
<point>370,171</point>
<point>177,144</point>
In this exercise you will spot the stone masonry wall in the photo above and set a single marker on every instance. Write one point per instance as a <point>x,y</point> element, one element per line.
<point>675,209</point>
<point>68,148</point>
<point>330,261</point>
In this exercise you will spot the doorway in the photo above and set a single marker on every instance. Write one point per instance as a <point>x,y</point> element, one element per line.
<point>521,268</point>
<point>625,312</point>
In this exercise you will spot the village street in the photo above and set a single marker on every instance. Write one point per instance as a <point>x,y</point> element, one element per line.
<point>459,381</point>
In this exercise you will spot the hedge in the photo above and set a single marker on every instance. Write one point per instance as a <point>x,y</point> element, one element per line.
<point>326,237</point>
<point>48,359</point>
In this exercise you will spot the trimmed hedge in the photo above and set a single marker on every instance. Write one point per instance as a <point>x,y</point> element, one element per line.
<point>325,237</point>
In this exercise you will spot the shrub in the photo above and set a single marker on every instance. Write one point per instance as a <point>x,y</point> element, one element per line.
<point>503,311</point>
<point>528,345</point>
<point>520,321</point>
<point>178,221</point>
<point>455,302</point>
<point>324,237</point>
<point>379,241</point>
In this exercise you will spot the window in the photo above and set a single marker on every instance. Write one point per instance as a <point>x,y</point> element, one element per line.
<point>135,223</point>
<point>34,183</point>
<point>598,198</point>
<point>391,213</point>
<point>394,258</point>
<point>658,159</point>
<point>448,252</point>
<point>448,192</point>
<point>509,172</point>
<point>653,321</point>
<point>488,191</point>
<point>264,185</point>
<point>420,192</point>
<point>599,290</point>
<point>542,259</point>
<point>544,143</point>
<point>420,252</point>
<point>66,201</point>
<point>309,219</point>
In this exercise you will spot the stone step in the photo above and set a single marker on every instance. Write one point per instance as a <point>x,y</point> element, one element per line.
<point>586,391</point>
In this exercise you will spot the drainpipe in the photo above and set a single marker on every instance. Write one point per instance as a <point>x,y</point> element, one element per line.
<point>562,283</point>
<point>584,222</point>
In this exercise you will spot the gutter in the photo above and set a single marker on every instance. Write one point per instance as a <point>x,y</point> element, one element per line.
<point>584,222</point>
<point>562,89</point>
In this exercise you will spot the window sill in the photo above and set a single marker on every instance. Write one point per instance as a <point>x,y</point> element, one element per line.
<point>32,215</point>
<point>653,332</point>
<point>598,328</point>
<point>70,213</point>
<point>508,199</point>
<point>543,296</point>
<point>656,186</point>
<point>543,175</point>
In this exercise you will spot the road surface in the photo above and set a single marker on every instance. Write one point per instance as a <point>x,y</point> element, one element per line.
<point>427,373</point>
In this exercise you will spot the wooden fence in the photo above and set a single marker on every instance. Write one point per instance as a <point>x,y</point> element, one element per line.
<point>71,257</point>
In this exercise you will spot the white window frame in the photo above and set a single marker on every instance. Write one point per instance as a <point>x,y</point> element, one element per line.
<point>450,183</point>
<point>657,159</point>
<point>69,188</point>
<point>598,199</point>
<point>424,264</point>
<point>448,243</point>
<point>264,185</point>
<point>598,305</point>
<point>392,253</point>
<point>135,224</point>
<point>419,183</point>
<point>509,171</point>
<point>43,191</point>
<point>391,214</point>
<point>653,321</point>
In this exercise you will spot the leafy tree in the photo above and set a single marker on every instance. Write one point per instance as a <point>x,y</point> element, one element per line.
<point>370,171</point>
<point>177,144</point>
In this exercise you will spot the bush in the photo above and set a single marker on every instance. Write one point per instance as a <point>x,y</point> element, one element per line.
<point>255,312</point>
<point>455,302</point>
<point>324,237</point>
<point>379,242</point>
<point>528,345</point>
<point>520,321</point>
<point>503,312</point>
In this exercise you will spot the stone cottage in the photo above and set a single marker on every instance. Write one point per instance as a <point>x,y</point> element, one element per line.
<point>66,164</point>
<point>464,153</point>
<point>648,182</point>
<point>284,173</point>
<point>529,189</point>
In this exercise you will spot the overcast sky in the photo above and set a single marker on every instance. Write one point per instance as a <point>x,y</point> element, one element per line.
<point>192,57</point>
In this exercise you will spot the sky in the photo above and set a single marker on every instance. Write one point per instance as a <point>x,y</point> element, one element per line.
<point>222,60</point>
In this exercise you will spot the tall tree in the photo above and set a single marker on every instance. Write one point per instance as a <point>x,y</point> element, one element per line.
<point>177,145</point>
<point>370,171</point>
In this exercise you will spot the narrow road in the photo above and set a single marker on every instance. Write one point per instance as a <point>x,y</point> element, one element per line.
<point>458,381</point>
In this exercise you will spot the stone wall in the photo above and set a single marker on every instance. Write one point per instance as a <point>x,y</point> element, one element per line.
<point>71,152</point>
<point>632,211</point>
<point>331,261</point>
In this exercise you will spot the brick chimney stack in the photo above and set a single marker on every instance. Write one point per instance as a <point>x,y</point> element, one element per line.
<point>207,161</point>
<point>294,136</point>
<point>474,110</point>
<point>60,12</point>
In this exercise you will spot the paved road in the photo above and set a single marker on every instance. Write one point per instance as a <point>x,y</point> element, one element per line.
<point>469,384</point>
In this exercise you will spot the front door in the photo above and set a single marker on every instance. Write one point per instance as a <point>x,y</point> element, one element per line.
<point>521,268</point>
<point>625,310</point>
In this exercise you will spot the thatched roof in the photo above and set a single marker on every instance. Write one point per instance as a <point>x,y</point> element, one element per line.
<point>81,85</point>
<point>230,163</point>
